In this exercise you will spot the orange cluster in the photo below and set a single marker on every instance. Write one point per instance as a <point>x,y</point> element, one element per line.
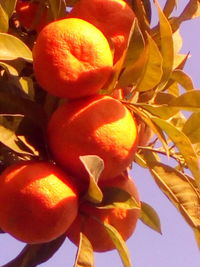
<point>73,59</point>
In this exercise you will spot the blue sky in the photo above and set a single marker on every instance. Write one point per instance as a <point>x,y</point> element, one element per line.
<point>177,246</point>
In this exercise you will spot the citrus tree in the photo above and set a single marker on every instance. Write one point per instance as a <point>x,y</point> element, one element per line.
<point>82,100</point>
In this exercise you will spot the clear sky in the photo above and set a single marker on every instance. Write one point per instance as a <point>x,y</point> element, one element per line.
<point>176,247</point>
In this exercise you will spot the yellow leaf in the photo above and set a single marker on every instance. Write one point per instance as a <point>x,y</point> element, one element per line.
<point>177,41</point>
<point>85,255</point>
<point>183,79</point>
<point>197,236</point>
<point>147,119</point>
<point>179,190</point>
<point>136,45</point>
<point>169,7</point>
<point>152,71</point>
<point>180,59</point>
<point>94,165</point>
<point>3,19</point>
<point>192,128</point>
<point>58,8</point>
<point>13,48</point>
<point>192,10</point>
<point>8,135</point>
<point>114,197</point>
<point>142,11</point>
<point>183,144</point>
<point>9,69</point>
<point>173,89</point>
<point>119,243</point>
<point>8,6</point>
<point>189,101</point>
<point>150,217</point>
<point>167,47</point>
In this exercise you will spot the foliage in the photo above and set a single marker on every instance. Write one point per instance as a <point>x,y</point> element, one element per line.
<point>151,69</point>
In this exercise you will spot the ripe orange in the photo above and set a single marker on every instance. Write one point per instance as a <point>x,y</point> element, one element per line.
<point>99,125</point>
<point>31,16</point>
<point>72,58</point>
<point>123,220</point>
<point>113,17</point>
<point>37,202</point>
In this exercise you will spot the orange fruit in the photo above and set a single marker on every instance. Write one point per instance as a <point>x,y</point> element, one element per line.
<point>113,17</point>
<point>31,15</point>
<point>37,202</point>
<point>98,125</point>
<point>72,58</point>
<point>124,220</point>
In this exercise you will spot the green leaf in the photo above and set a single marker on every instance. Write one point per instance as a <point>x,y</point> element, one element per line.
<point>9,69</point>
<point>189,101</point>
<point>131,74</point>
<point>177,42</point>
<point>183,144</point>
<point>33,255</point>
<point>147,7</point>
<point>152,71</point>
<point>147,119</point>
<point>152,154</point>
<point>17,64</point>
<point>192,10</point>
<point>7,133</point>
<point>183,79</point>
<point>112,81</point>
<point>163,98</point>
<point>58,8</point>
<point>94,165</point>
<point>21,86</point>
<point>192,128</point>
<point>32,149</point>
<point>180,60</point>
<point>169,7</point>
<point>179,190</point>
<point>14,104</point>
<point>173,89</point>
<point>70,3</point>
<point>9,6</point>
<point>114,197</point>
<point>161,111</point>
<point>12,48</point>
<point>167,48</point>
<point>134,58</point>
<point>140,160</point>
<point>150,217</point>
<point>178,121</point>
<point>26,84</point>
<point>136,45</point>
<point>142,11</point>
<point>197,148</point>
<point>3,19</point>
<point>119,244</point>
<point>85,255</point>
<point>8,136</point>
